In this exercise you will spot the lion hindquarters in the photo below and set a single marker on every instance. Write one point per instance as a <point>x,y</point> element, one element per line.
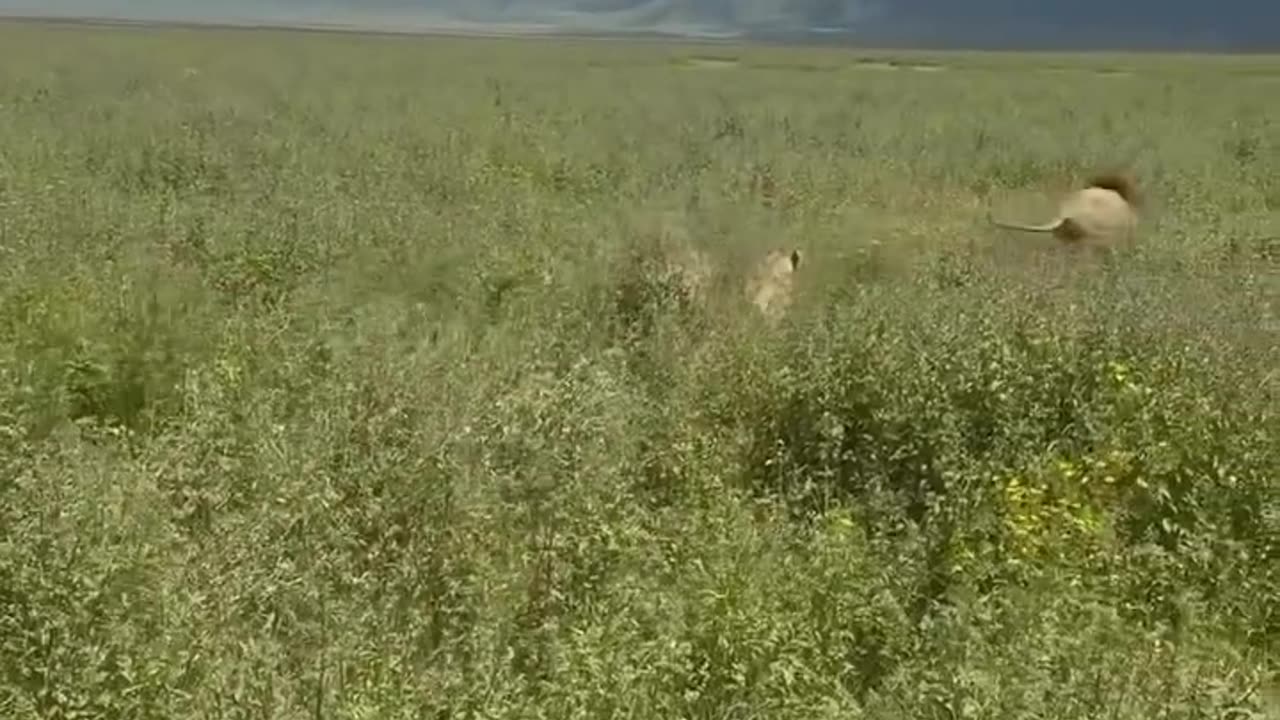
<point>1102,217</point>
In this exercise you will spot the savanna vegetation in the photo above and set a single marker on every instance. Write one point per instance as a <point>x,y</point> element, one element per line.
<point>340,377</point>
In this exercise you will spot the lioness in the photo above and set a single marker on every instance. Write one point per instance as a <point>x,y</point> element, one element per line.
<point>769,287</point>
<point>1098,216</point>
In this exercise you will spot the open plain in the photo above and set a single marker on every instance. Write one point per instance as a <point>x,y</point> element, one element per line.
<point>350,377</point>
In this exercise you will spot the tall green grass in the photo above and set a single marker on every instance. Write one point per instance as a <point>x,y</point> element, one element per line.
<point>331,386</point>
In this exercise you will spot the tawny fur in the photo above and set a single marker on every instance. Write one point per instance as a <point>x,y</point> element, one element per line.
<point>770,287</point>
<point>1099,216</point>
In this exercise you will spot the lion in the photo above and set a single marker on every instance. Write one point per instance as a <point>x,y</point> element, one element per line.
<point>1098,216</point>
<point>770,286</point>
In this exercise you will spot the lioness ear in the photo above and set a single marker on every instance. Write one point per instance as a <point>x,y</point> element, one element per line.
<point>795,259</point>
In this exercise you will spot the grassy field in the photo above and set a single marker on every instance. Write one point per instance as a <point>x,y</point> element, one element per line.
<point>334,383</point>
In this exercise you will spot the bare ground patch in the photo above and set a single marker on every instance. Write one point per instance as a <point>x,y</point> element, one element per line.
<point>708,62</point>
<point>867,64</point>
<point>891,64</point>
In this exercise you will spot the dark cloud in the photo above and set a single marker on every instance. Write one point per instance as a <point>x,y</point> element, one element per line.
<point>1226,24</point>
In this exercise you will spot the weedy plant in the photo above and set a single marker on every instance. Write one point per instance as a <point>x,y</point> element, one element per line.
<point>333,389</point>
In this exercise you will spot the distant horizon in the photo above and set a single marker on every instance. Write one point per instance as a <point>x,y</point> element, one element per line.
<point>382,23</point>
